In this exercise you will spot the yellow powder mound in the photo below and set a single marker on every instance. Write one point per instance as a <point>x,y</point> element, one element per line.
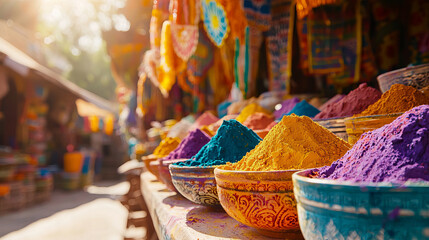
<point>294,143</point>
<point>166,146</point>
<point>249,110</point>
<point>398,99</point>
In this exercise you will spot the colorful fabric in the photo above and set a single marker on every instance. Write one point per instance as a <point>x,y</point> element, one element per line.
<point>202,59</point>
<point>302,32</point>
<point>278,41</point>
<point>418,32</point>
<point>325,32</point>
<point>185,40</point>
<point>303,7</point>
<point>387,25</point>
<point>234,10</point>
<point>159,15</point>
<point>215,21</point>
<point>167,75</point>
<point>258,13</point>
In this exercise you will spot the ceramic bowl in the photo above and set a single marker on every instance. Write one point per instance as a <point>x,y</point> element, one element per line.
<point>263,200</point>
<point>197,184</point>
<point>329,209</point>
<point>416,76</point>
<point>151,164</point>
<point>164,172</point>
<point>356,126</point>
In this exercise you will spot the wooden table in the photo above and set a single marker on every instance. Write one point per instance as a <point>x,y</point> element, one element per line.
<point>174,217</point>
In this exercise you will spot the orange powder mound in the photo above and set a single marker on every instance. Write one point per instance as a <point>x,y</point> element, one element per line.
<point>166,146</point>
<point>258,121</point>
<point>249,110</point>
<point>398,99</point>
<point>294,143</point>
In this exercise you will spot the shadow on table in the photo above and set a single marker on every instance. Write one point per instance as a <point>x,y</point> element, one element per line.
<point>215,222</point>
<point>177,201</point>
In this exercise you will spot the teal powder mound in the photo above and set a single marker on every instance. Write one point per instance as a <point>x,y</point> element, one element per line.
<point>231,142</point>
<point>303,108</point>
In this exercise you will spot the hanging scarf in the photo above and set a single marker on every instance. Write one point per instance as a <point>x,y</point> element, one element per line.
<point>258,13</point>
<point>215,21</point>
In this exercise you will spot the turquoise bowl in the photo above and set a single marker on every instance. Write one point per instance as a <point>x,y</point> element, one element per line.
<point>329,209</point>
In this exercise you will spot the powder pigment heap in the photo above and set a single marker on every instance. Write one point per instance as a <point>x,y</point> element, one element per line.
<point>166,146</point>
<point>249,110</point>
<point>230,144</point>
<point>355,102</point>
<point>398,99</point>
<point>286,106</point>
<point>294,143</point>
<point>396,152</point>
<point>205,119</point>
<point>190,145</point>
<point>303,108</point>
<point>258,121</point>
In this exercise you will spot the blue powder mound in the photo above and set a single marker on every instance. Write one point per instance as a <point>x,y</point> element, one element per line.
<point>303,108</point>
<point>231,142</point>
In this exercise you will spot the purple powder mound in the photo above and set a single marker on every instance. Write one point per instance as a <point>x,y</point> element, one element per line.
<point>396,152</point>
<point>355,102</point>
<point>287,105</point>
<point>189,146</point>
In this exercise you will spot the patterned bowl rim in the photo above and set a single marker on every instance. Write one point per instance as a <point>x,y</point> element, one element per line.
<point>196,168</point>
<point>301,176</point>
<point>373,116</point>
<point>394,72</point>
<point>171,161</point>
<point>220,170</point>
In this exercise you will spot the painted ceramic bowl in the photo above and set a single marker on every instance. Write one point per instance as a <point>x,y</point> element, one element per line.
<point>263,200</point>
<point>416,76</point>
<point>334,125</point>
<point>164,172</point>
<point>330,209</point>
<point>356,126</point>
<point>151,164</point>
<point>197,184</point>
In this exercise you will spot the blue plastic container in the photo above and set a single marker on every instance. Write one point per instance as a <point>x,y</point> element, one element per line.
<point>329,209</point>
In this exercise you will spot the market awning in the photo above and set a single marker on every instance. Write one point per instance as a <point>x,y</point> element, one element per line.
<point>20,62</point>
<point>86,109</point>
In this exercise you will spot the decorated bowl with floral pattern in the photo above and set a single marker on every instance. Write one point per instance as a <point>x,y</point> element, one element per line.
<point>263,200</point>
<point>329,209</point>
<point>197,184</point>
<point>164,172</point>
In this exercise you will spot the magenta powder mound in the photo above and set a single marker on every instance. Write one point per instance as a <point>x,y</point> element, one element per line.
<point>332,100</point>
<point>355,102</point>
<point>396,153</point>
<point>286,106</point>
<point>189,146</point>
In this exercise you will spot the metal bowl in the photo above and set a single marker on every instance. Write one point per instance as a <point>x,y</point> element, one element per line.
<point>329,209</point>
<point>263,200</point>
<point>197,184</point>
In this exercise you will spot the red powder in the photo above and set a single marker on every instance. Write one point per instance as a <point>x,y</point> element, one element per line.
<point>258,121</point>
<point>355,102</point>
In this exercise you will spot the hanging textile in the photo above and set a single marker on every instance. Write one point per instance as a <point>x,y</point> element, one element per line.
<point>386,14</point>
<point>160,13</point>
<point>215,21</point>
<point>200,61</point>
<point>302,32</point>
<point>279,44</point>
<point>418,32</point>
<point>325,33</point>
<point>234,10</point>
<point>167,74</point>
<point>185,15</point>
<point>303,7</point>
<point>258,13</point>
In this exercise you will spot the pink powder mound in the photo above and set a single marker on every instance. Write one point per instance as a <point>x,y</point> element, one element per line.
<point>215,126</point>
<point>205,119</point>
<point>355,102</point>
<point>334,99</point>
<point>271,126</point>
<point>258,121</point>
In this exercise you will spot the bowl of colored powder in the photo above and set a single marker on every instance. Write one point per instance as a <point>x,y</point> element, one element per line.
<point>151,164</point>
<point>416,76</point>
<point>194,179</point>
<point>398,99</point>
<point>257,190</point>
<point>377,190</point>
<point>189,146</point>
